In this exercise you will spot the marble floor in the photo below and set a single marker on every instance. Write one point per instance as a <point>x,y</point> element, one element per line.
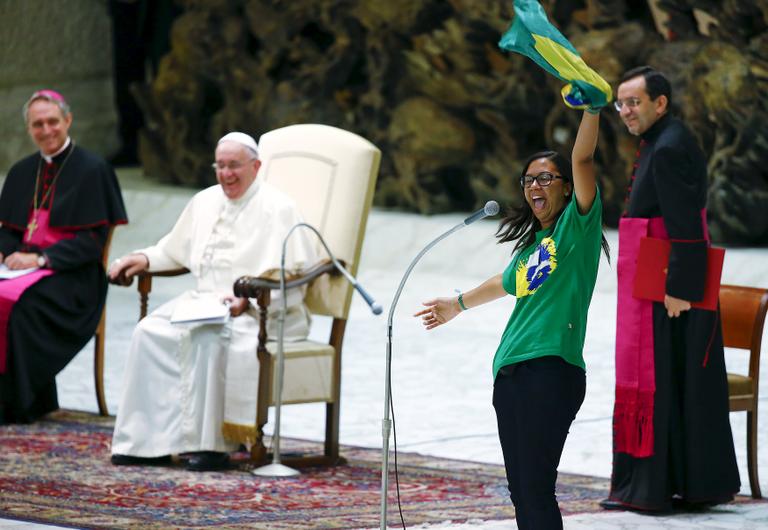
<point>441,379</point>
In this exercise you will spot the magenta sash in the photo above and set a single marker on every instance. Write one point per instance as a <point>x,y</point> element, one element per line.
<point>635,377</point>
<point>11,290</point>
<point>635,369</point>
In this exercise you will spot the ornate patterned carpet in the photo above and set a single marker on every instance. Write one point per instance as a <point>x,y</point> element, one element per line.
<point>58,471</point>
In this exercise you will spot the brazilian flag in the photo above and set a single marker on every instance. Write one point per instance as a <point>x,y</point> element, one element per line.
<point>532,35</point>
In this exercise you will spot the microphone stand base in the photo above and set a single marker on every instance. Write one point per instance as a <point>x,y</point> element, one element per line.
<point>275,470</point>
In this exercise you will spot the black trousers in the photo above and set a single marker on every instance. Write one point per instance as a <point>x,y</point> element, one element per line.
<point>536,402</point>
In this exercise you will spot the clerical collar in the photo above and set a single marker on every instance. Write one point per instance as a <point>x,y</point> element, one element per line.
<point>49,158</point>
<point>655,129</point>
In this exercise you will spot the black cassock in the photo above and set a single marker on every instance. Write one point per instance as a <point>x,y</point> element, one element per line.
<point>54,318</point>
<point>693,455</point>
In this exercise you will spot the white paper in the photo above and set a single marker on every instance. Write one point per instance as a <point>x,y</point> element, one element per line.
<point>201,308</point>
<point>9,274</point>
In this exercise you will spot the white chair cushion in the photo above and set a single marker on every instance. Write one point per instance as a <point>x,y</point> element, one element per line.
<point>308,371</point>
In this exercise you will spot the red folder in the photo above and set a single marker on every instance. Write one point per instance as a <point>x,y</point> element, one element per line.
<point>651,274</point>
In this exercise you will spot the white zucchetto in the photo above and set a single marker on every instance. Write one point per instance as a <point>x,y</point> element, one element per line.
<point>242,139</point>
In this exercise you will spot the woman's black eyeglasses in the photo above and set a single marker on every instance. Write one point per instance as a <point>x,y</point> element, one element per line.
<point>544,179</point>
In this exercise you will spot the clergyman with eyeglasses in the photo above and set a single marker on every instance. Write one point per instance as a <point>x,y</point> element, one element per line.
<point>175,384</point>
<point>672,438</point>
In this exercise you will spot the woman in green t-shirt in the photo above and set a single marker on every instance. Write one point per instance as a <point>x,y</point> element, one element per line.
<point>538,369</point>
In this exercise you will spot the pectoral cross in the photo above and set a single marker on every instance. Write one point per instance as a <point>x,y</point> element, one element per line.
<point>31,227</point>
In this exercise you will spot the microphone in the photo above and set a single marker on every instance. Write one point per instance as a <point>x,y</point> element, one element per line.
<point>242,288</point>
<point>376,308</point>
<point>490,208</point>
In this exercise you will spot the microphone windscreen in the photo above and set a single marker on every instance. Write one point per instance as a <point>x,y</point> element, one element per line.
<point>491,208</point>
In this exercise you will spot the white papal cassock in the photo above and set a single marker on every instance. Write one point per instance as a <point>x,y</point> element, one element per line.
<point>182,380</point>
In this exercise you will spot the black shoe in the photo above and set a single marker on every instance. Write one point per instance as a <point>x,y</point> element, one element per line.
<point>608,504</point>
<point>207,461</point>
<point>128,460</point>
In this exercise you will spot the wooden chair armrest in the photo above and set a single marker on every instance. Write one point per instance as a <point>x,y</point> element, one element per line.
<point>126,281</point>
<point>260,287</point>
<point>172,272</point>
<point>145,284</point>
<point>252,286</point>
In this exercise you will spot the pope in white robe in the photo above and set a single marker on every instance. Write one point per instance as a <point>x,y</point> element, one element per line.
<point>184,380</point>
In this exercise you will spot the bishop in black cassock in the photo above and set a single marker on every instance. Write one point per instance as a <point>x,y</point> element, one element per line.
<point>57,208</point>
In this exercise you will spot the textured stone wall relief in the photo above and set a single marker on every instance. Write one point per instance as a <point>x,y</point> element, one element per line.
<point>454,116</point>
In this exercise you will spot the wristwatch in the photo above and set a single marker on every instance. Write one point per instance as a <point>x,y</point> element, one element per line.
<point>41,261</point>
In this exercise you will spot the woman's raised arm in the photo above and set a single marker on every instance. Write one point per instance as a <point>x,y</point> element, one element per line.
<point>583,161</point>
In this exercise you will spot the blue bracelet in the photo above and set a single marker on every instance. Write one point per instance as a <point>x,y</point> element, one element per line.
<point>461,302</point>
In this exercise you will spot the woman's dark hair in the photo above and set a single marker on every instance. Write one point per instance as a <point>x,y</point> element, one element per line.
<point>520,224</point>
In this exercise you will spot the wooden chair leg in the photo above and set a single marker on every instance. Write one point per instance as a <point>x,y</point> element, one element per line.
<point>98,365</point>
<point>754,484</point>
<point>333,409</point>
<point>332,432</point>
<point>263,400</point>
<point>258,450</point>
<point>145,287</point>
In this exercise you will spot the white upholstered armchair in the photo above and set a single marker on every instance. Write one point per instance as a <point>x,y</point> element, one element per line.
<point>331,174</point>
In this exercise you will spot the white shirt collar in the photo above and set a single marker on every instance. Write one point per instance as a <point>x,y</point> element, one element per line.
<point>49,158</point>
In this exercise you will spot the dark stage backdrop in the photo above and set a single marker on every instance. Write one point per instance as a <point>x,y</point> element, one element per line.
<point>453,115</point>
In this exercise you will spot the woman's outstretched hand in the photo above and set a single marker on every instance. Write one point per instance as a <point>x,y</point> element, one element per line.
<point>438,311</point>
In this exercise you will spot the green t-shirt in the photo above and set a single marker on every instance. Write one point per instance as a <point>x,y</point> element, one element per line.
<point>553,280</point>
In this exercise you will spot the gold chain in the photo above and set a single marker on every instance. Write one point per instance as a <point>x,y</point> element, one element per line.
<point>32,225</point>
<point>53,180</point>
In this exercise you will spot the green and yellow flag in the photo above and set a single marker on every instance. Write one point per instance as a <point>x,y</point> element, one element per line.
<point>532,35</point>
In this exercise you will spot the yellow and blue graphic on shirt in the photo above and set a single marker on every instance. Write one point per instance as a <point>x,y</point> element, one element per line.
<point>530,275</point>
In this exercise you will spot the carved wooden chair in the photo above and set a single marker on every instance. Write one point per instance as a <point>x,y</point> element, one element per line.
<point>98,338</point>
<point>743,312</point>
<point>331,174</point>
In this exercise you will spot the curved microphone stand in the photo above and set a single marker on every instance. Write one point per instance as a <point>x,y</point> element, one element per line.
<point>276,469</point>
<point>490,208</point>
